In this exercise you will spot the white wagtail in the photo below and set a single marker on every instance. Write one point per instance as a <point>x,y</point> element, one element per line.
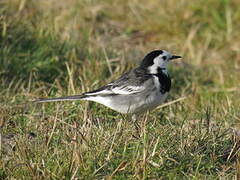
<point>137,90</point>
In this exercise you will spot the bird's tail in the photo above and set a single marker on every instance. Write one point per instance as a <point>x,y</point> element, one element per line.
<point>66,98</point>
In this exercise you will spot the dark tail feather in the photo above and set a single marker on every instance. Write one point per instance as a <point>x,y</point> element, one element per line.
<point>66,98</point>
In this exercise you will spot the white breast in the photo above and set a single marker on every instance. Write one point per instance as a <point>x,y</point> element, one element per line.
<point>156,98</point>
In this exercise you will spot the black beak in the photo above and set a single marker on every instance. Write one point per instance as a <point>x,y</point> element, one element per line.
<point>175,57</point>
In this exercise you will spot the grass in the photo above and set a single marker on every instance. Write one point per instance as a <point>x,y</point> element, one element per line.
<point>55,48</point>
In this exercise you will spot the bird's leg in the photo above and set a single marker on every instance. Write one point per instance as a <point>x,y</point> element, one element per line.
<point>134,119</point>
<point>135,122</point>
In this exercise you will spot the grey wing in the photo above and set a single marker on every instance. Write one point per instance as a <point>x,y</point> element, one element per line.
<point>129,83</point>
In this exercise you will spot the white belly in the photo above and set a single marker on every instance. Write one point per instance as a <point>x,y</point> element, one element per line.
<point>131,103</point>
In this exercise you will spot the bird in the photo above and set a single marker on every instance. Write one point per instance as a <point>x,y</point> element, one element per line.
<point>136,91</point>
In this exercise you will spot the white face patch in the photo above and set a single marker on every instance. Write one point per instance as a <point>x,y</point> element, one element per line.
<point>160,61</point>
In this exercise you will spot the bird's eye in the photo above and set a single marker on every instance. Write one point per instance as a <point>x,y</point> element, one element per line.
<point>164,58</point>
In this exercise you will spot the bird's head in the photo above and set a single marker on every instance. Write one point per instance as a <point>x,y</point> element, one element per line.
<point>156,60</point>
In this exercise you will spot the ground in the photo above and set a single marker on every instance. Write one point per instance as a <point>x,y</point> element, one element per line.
<point>52,48</point>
